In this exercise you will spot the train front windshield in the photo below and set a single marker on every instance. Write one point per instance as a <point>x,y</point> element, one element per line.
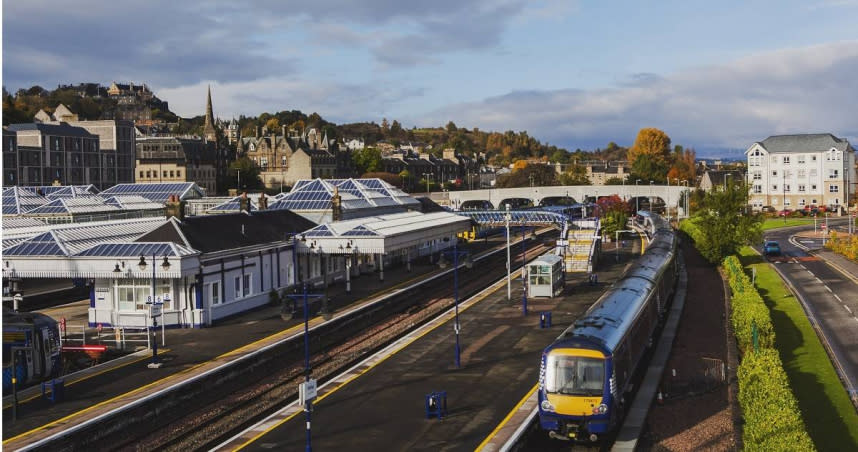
<point>573,375</point>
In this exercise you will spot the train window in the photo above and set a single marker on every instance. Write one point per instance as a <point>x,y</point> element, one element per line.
<point>573,375</point>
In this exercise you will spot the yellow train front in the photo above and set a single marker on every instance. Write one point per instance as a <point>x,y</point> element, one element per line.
<point>577,393</point>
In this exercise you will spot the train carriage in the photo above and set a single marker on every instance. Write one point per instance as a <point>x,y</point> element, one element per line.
<point>31,348</point>
<point>585,374</point>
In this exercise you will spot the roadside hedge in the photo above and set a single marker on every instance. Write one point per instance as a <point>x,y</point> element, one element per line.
<point>748,309</point>
<point>772,418</point>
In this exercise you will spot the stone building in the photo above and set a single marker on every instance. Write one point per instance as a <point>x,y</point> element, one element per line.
<point>286,158</point>
<point>174,159</point>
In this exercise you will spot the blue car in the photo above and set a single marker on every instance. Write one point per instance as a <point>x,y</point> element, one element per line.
<point>771,248</point>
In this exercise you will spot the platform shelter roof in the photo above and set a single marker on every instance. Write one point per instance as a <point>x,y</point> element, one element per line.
<point>383,234</point>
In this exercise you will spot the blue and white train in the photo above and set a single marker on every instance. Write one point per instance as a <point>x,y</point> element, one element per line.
<point>586,372</point>
<point>31,348</point>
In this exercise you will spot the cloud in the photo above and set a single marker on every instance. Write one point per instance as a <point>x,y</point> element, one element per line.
<point>801,90</point>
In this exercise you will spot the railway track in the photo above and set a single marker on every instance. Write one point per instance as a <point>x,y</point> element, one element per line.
<point>231,406</point>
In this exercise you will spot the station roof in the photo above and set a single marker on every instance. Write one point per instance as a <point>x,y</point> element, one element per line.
<point>157,192</point>
<point>17,200</point>
<point>316,194</point>
<point>384,234</point>
<point>77,237</point>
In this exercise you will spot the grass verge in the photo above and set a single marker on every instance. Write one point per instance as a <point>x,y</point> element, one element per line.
<point>774,223</point>
<point>831,419</point>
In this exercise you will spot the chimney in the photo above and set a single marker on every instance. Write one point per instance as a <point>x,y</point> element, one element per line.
<point>336,206</point>
<point>244,203</point>
<point>175,207</point>
<point>258,131</point>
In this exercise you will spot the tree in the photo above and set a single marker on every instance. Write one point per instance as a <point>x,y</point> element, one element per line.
<point>725,223</point>
<point>247,171</point>
<point>367,160</point>
<point>575,175</point>
<point>614,181</point>
<point>273,125</point>
<point>451,127</point>
<point>537,175</point>
<point>653,147</point>
<point>614,213</point>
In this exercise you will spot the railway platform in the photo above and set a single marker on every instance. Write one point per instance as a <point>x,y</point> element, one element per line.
<point>188,352</point>
<point>380,403</point>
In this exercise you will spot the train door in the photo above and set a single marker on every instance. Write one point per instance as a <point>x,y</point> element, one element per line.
<point>38,364</point>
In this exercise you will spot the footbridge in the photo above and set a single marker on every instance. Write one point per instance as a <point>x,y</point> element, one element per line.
<point>579,242</point>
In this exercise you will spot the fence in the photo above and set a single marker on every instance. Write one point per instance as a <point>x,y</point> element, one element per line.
<point>117,338</point>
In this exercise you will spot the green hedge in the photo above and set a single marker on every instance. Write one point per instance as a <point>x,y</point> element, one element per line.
<point>689,227</point>
<point>748,309</point>
<point>772,418</point>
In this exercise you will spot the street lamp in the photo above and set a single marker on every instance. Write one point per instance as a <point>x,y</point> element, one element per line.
<point>349,250</point>
<point>154,301</point>
<point>637,198</point>
<point>468,264</point>
<point>650,195</point>
<point>507,218</point>
<point>307,390</point>
<point>426,176</point>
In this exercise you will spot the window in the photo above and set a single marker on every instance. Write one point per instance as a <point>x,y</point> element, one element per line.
<point>786,188</point>
<point>813,201</point>
<point>812,158</point>
<point>800,159</point>
<point>758,175</point>
<point>775,187</point>
<point>801,188</point>
<point>758,188</point>
<point>132,294</point>
<point>801,202</point>
<point>787,202</point>
<point>802,173</point>
<point>237,287</point>
<point>788,173</point>
<point>165,174</point>
<point>813,187</point>
<point>833,188</point>
<point>786,160</point>
<point>774,173</point>
<point>214,292</point>
<point>246,285</point>
<point>833,173</point>
<point>178,174</point>
<point>172,174</point>
<point>141,174</point>
<point>572,375</point>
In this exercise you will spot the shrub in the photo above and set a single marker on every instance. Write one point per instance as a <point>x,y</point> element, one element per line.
<point>847,245</point>
<point>748,309</point>
<point>772,418</point>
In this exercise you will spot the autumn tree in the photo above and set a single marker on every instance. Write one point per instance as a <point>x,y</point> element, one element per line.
<point>650,156</point>
<point>684,164</point>
<point>538,175</point>
<point>614,213</point>
<point>575,175</point>
<point>273,125</point>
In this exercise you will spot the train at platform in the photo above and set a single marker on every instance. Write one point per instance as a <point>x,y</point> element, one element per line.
<point>585,375</point>
<point>31,348</point>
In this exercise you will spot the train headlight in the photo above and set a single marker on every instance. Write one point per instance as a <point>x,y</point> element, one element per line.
<point>547,406</point>
<point>601,409</point>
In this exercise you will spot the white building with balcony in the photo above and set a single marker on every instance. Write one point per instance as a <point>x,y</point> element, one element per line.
<point>795,171</point>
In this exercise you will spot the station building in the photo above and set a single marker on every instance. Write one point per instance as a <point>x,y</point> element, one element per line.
<point>209,267</point>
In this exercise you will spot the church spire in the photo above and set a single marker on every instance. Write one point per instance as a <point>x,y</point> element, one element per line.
<point>208,128</point>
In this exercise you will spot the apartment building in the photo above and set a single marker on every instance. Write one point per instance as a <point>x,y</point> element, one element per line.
<point>794,171</point>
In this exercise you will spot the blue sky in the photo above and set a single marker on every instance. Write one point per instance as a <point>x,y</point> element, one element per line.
<point>713,75</point>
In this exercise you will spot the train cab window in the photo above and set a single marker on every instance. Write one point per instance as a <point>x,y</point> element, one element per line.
<point>573,375</point>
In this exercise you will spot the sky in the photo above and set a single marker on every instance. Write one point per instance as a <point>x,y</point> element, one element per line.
<point>715,76</point>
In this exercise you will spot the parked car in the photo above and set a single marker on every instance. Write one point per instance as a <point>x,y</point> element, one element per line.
<point>784,213</point>
<point>769,209</point>
<point>771,248</point>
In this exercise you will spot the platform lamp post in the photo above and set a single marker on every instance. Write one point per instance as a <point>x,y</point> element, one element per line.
<point>507,217</point>
<point>349,252</point>
<point>637,198</point>
<point>307,390</point>
<point>456,327</point>
<point>153,301</point>
<point>523,269</point>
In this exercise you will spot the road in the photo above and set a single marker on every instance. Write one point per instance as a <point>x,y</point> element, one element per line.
<point>829,295</point>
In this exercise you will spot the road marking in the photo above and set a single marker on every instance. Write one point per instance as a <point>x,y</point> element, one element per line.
<point>847,308</point>
<point>838,298</point>
<point>829,289</point>
<point>819,280</point>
